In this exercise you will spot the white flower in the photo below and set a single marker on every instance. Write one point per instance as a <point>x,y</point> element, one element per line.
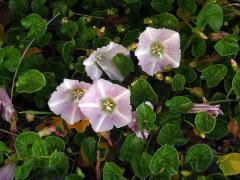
<point>65,100</point>
<point>101,60</point>
<point>106,104</point>
<point>157,49</point>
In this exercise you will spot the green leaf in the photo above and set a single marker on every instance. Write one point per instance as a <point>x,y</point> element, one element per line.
<point>39,148</point>
<point>178,82</point>
<point>172,135</point>
<point>179,104</point>
<point>100,42</point>
<point>60,162</point>
<point>30,82</point>
<point>162,5</point>
<point>217,176</point>
<point>24,170</point>
<point>112,172</point>
<point>36,24</point>
<point>188,72</point>
<point>165,159</point>
<point>69,29</point>
<point>68,48</point>
<point>212,15</point>
<point>89,147</point>
<point>205,122</point>
<point>132,145</point>
<point>124,64</point>
<point>235,84</point>
<point>199,156</point>
<point>39,7</point>
<point>17,7</point>
<point>198,46</point>
<point>142,91</point>
<point>187,5</point>
<point>146,117</point>
<point>220,130</point>
<point>214,74</point>
<point>169,117</point>
<point>140,165</point>
<point>24,142</point>
<point>54,143</point>
<point>228,45</point>
<point>130,37</point>
<point>165,20</point>
<point>10,56</point>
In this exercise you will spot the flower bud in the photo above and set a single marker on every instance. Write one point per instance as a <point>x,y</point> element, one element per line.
<point>159,76</point>
<point>168,80</point>
<point>234,65</point>
<point>147,21</point>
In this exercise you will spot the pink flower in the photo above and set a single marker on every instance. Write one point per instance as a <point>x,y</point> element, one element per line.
<point>6,107</point>
<point>133,125</point>
<point>157,49</point>
<point>65,100</point>
<point>7,172</point>
<point>213,110</point>
<point>101,60</point>
<point>106,104</point>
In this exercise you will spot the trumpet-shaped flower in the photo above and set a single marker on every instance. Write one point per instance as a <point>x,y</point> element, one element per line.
<point>101,60</point>
<point>133,125</point>
<point>64,101</point>
<point>6,107</point>
<point>7,172</point>
<point>213,110</point>
<point>158,49</point>
<point>106,105</point>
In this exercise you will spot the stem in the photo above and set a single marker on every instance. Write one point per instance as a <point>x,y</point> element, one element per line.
<point>229,93</point>
<point>189,123</point>
<point>222,101</point>
<point>4,131</point>
<point>20,62</point>
<point>96,17</point>
<point>53,18</point>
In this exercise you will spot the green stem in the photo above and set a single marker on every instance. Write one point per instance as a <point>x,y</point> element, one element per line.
<point>222,101</point>
<point>191,124</point>
<point>29,157</point>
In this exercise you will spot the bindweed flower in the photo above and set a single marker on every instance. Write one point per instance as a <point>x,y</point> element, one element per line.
<point>213,110</point>
<point>101,60</point>
<point>106,104</point>
<point>158,49</point>
<point>64,101</point>
<point>7,172</point>
<point>6,107</point>
<point>133,125</point>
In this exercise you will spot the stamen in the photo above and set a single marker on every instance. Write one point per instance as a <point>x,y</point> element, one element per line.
<point>108,105</point>
<point>157,49</point>
<point>99,57</point>
<point>77,94</point>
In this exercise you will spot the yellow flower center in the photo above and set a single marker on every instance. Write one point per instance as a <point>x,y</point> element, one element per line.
<point>157,49</point>
<point>99,57</point>
<point>77,94</point>
<point>108,105</point>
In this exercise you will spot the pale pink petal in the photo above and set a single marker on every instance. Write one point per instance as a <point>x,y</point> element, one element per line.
<point>91,68</point>
<point>7,172</point>
<point>6,107</point>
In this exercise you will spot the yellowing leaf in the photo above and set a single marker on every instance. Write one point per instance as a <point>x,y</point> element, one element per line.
<point>32,51</point>
<point>230,164</point>
<point>104,150</point>
<point>80,126</point>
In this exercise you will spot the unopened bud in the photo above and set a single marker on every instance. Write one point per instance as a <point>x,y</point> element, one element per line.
<point>204,100</point>
<point>101,31</point>
<point>167,68</point>
<point>168,80</point>
<point>193,64</point>
<point>132,47</point>
<point>197,91</point>
<point>202,35</point>
<point>159,76</point>
<point>186,173</point>
<point>159,109</point>
<point>30,117</point>
<point>117,39</point>
<point>121,28</point>
<point>147,21</point>
<point>234,65</point>
<point>46,131</point>
<point>64,20</point>
<point>112,11</point>
<point>216,36</point>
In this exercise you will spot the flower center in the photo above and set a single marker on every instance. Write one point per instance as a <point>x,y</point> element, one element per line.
<point>108,105</point>
<point>157,49</point>
<point>77,94</point>
<point>99,57</point>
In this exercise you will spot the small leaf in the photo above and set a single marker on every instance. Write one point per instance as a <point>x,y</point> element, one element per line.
<point>165,20</point>
<point>141,165</point>
<point>30,82</point>
<point>10,56</point>
<point>112,172</point>
<point>228,45</point>
<point>229,164</point>
<point>198,46</point>
<point>162,5</point>
<point>54,143</point>
<point>165,159</point>
<point>132,145</point>
<point>69,29</point>
<point>187,5</point>
<point>171,134</point>
<point>36,24</point>
<point>212,15</point>
<point>178,82</point>
<point>24,170</point>
<point>142,91</point>
<point>188,72</point>
<point>199,156</point>
<point>179,104</point>
<point>130,37</point>
<point>89,149</point>
<point>39,148</point>
<point>214,74</point>
<point>60,162</point>
<point>124,64</point>
<point>220,130</point>
<point>205,122</point>
<point>235,84</point>
<point>146,117</point>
